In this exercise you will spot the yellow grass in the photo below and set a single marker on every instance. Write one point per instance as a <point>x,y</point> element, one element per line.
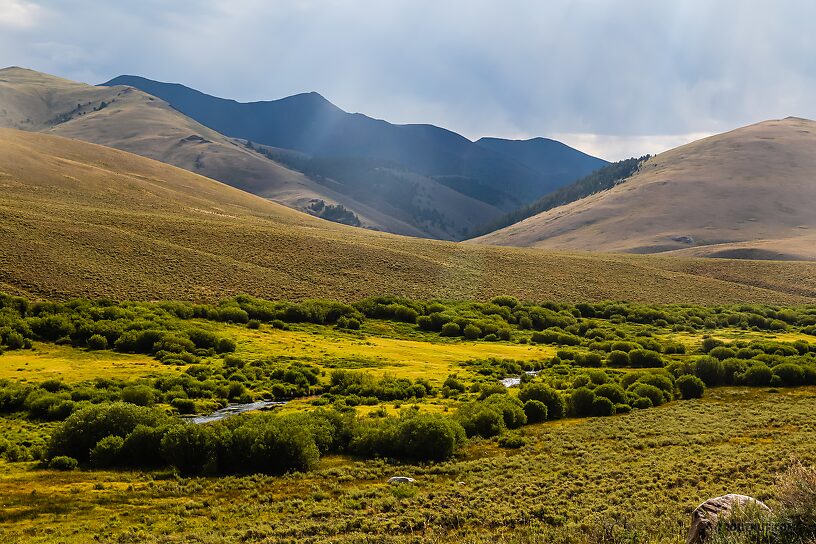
<point>73,365</point>
<point>399,357</point>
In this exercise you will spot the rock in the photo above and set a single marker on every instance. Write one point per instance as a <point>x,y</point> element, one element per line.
<point>707,516</point>
<point>400,480</point>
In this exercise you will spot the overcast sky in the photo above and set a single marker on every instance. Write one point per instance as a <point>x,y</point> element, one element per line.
<point>613,78</point>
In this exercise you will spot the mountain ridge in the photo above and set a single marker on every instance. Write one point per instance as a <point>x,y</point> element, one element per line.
<point>329,131</point>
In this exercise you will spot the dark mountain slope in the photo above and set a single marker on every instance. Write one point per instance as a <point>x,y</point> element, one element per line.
<point>310,124</point>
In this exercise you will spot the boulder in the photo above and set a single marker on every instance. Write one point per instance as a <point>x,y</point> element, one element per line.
<point>400,480</point>
<point>733,509</point>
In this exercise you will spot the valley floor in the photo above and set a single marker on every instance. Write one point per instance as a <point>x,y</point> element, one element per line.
<point>641,472</point>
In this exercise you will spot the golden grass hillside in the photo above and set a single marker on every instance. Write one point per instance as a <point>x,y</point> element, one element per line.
<point>748,193</point>
<point>77,219</point>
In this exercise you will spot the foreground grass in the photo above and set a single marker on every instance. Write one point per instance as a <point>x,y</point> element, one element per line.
<point>640,473</point>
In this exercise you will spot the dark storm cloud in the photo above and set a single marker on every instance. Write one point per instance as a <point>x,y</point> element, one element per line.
<point>613,77</point>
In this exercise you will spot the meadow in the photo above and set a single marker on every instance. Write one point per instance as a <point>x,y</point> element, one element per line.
<point>626,417</point>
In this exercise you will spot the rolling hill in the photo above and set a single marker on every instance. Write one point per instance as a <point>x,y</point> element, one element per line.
<point>501,173</point>
<point>78,219</point>
<point>748,193</point>
<point>131,120</point>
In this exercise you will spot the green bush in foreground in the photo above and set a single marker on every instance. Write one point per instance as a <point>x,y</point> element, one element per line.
<point>690,387</point>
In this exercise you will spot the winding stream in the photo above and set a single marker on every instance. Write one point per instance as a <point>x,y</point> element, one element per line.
<point>516,380</point>
<point>235,409</point>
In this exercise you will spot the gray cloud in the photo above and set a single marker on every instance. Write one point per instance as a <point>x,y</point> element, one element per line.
<point>615,78</point>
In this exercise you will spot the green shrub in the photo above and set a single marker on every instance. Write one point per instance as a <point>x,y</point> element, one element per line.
<point>556,406</point>
<point>511,441</point>
<point>451,329</point>
<point>535,410</point>
<point>617,358</point>
<point>63,462</point>
<point>642,403</point>
<point>140,395</point>
<point>480,420</point>
<point>511,409</point>
<point>602,406</point>
<point>790,374</point>
<point>611,391</point>
<point>645,358</point>
<point>690,387</point>
<point>471,332</point>
<point>84,428</point>
<point>107,452</point>
<point>644,390</point>
<point>722,353</point>
<point>711,343</point>
<point>710,370</point>
<point>757,375</point>
<point>191,448</point>
<point>184,406</point>
<point>580,402</point>
<point>97,342</point>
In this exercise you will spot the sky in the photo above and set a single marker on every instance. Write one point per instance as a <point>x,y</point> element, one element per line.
<point>614,78</point>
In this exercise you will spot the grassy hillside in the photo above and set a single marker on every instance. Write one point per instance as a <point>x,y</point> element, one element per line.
<point>80,219</point>
<point>743,194</point>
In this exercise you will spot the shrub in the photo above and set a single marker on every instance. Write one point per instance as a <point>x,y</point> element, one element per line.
<point>722,353</point>
<point>511,441</point>
<point>690,387</point>
<point>454,385</point>
<point>642,403</point>
<point>140,395</point>
<point>790,374</point>
<point>581,401</point>
<point>471,331</point>
<point>611,391</point>
<point>107,452</point>
<point>644,390</point>
<point>758,375</point>
<point>97,341</point>
<point>617,358</point>
<point>190,448</point>
<point>535,410</point>
<point>225,345</point>
<point>711,343</point>
<point>83,429</point>
<point>429,437</point>
<point>63,462</point>
<point>556,407</point>
<point>602,406</point>
<point>710,370</point>
<point>645,358</point>
<point>480,420</point>
<point>184,406</point>
<point>450,329</point>
<point>511,409</point>
<point>254,324</point>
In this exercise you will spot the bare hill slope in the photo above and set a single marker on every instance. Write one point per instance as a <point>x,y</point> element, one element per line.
<point>78,219</point>
<point>748,193</point>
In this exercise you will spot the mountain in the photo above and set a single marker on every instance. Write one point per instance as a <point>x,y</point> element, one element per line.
<point>748,193</point>
<point>559,162</point>
<point>601,179</point>
<point>131,120</point>
<point>78,219</point>
<point>499,172</point>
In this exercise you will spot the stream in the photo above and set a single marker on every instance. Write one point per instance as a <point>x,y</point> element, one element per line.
<point>234,409</point>
<point>516,380</point>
